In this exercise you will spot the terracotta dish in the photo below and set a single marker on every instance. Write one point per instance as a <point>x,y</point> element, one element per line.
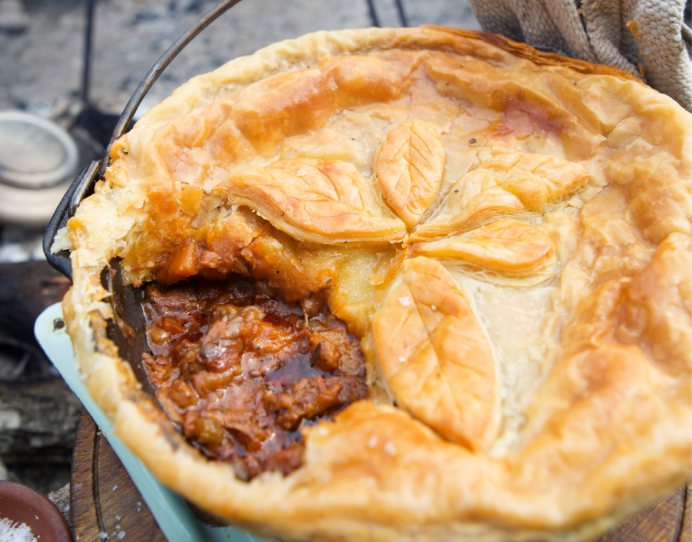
<point>24,505</point>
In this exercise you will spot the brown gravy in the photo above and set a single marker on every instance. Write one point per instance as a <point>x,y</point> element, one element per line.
<point>239,372</point>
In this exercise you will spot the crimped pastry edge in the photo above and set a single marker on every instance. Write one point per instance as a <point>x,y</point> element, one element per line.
<point>260,505</point>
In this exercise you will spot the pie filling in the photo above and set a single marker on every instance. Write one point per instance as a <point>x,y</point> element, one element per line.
<point>239,371</point>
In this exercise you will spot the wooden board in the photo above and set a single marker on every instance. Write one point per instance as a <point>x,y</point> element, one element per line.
<point>663,521</point>
<point>97,507</point>
<point>103,498</point>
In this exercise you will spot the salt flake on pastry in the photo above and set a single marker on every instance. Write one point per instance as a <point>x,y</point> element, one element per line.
<point>317,201</point>
<point>508,184</point>
<point>409,168</point>
<point>520,253</point>
<point>448,377</point>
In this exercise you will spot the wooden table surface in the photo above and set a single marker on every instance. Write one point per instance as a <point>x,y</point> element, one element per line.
<point>103,497</point>
<point>105,500</point>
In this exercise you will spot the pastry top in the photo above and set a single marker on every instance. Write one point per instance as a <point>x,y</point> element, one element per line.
<point>508,233</point>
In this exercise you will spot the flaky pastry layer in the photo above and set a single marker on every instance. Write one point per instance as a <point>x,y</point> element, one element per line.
<point>507,232</point>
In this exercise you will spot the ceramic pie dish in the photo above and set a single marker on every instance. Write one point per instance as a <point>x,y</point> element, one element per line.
<point>505,233</point>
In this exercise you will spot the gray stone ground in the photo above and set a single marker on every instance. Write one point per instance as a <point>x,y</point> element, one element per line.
<point>41,57</point>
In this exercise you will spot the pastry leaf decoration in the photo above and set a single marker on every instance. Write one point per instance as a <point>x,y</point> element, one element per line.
<point>508,248</point>
<point>436,357</point>
<point>508,184</point>
<point>314,200</point>
<point>410,165</point>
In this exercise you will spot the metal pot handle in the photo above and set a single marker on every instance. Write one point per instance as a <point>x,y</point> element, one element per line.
<point>83,185</point>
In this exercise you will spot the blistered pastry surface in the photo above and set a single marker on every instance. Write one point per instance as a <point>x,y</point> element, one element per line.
<point>508,233</point>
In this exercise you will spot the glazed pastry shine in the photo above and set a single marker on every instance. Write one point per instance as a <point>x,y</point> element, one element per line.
<point>506,231</point>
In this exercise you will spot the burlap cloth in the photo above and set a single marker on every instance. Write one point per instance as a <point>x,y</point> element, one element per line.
<point>642,37</point>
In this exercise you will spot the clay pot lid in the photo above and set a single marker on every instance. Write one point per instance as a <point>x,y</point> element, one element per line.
<point>22,504</point>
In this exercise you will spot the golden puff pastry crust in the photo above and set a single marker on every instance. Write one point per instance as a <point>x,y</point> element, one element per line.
<point>506,231</point>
